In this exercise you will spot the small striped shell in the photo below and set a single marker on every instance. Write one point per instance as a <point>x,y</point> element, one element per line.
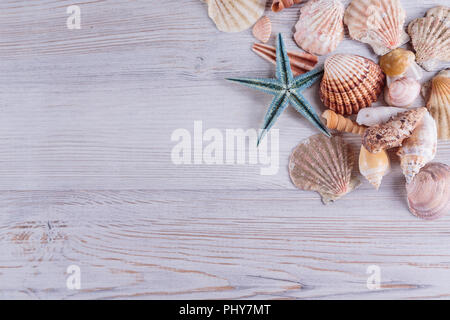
<point>320,28</point>
<point>324,165</point>
<point>350,83</point>
<point>439,103</point>
<point>262,29</point>
<point>278,5</point>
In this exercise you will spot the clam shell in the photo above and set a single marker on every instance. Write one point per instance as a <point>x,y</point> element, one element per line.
<point>402,92</point>
<point>378,23</point>
<point>431,38</point>
<point>324,165</point>
<point>439,103</point>
<point>373,166</point>
<point>278,5</point>
<point>376,115</point>
<point>235,15</point>
<point>320,28</point>
<point>350,83</point>
<point>428,194</point>
<point>419,149</point>
<point>262,29</point>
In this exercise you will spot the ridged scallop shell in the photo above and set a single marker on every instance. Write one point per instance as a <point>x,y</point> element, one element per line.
<point>373,166</point>
<point>262,29</point>
<point>379,23</point>
<point>235,15</point>
<point>376,115</point>
<point>428,194</point>
<point>350,83</point>
<point>402,92</point>
<point>324,165</point>
<point>320,28</point>
<point>431,38</point>
<point>340,123</point>
<point>419,149</point>
<point>278,5</point>
<point>439,103</point>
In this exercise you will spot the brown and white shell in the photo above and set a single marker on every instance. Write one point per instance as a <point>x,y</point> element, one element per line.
<point>373,166</point>
<point>379,23</point>
<point>324,165</point>
<point>262,29</point>
<point>428,194</point>
<point>278,5</point>
<point>320,27</point>
<point>439,103</point>
<point>350,83</point>
<point>431,38</point>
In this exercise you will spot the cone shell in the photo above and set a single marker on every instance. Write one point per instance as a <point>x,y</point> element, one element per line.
<point>301,62</point>
<point>377,115</point>
<point>278,5</point>
<point>320,28</point>
<point>373,166</point>
<point>428,194</point>
<point>439,103</point>
<point>262,29</point>
<point>337,122</point>
<point>431,38</point>
<point>402,92</point>
<point>419,149</point>
<point>235,15</point>
<point>392,133</point>
<point>379,23</point>
<point>324,165</point>
<point>350,83</point>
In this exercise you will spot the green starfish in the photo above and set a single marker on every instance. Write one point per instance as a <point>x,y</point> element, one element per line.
<point>286,89</point>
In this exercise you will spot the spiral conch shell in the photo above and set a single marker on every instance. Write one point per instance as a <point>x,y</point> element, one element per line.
<point>429,191</point>
<point>235,15</point>
<point>373,166</point>
<point>262,29</point>
<point>431,38</point>
<point>320,28</point>
<point>324,165</point>
<point>402,92</point>
<point>378,23</point>
<point>337,122</point>
<point>278,5</point>
<point>439,103</point>
<point>350,83</point>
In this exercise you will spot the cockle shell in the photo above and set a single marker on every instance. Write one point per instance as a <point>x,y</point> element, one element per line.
<point>439,103</point>
<point>278,5</point>
<point>402,92</point>
<point>350,83</point>
<point>431,38</point>
<point>429,191</point>
<point>378,23</point>
<point>324,165</point>
<point>262,29</point>
<point>301,62</point>
<point>392,133</point>
<point>376,115</point>
<point>340,123</point>
<point>235,15</point>
<point>419,149</point>
<point>320,28</point>
<point>400,63</point>
<point>373,166</point>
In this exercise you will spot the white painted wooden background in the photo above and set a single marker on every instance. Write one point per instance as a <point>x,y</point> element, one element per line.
<point>86,176</point>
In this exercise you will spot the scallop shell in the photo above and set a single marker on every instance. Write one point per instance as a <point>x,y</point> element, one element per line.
<point>324,165</point>
<point>378,23</point>
<point>301,62</point>
<point>262,29</point>
<point>278,5</point>
<point>431,38</point>
<point>429,192</point>
<point>376,115</point>
<point>402,92</point>
<point>439,103</point>
<point>235,15</point>
<point>419,148</point>
<point>350,83</point>
<point>373,166</point>
<point>320,28</point>
<point>337,122</point>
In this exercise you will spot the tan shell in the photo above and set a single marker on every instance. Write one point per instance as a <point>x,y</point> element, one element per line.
<point>439,103</point>
<point>396,62</point>
<point>262,29</point>
<point>419,149</point>
<point>278,5</point>
<point>402,92</point>
<point>350,83</point>
<point>324,165</point>
<point>301,62</point>
<point>428,194</point>
<point>337,122</point>
<point>235,15</point>
<point>431,38</point>
<point>379,23</point>
<point>320,28</point>
<point>373,166</point>
<point>392,133</point>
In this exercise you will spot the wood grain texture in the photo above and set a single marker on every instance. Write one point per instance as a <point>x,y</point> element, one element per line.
<point>87,178</point>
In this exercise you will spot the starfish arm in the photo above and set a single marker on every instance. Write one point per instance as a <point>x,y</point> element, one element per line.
<point>284,72</point>
<point>307,80</point>
<point>279,103</point>
<point>301,105</point>
<point>271,86</point>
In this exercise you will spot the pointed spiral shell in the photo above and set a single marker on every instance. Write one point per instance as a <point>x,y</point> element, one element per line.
<point>340,123</point>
